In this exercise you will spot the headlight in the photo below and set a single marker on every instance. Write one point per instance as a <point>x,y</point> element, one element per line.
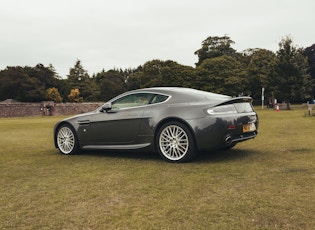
<point>223,109</point>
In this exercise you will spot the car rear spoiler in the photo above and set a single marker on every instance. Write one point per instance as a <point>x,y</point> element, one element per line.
<point>237,100</point>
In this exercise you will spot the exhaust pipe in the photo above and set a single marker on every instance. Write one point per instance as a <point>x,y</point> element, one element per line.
<point>228,140</point>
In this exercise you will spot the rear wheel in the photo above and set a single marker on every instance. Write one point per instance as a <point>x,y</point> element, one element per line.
<point>66,140</point>
<point>175,142</point>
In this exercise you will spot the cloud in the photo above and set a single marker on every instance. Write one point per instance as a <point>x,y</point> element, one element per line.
<point>123,34</point>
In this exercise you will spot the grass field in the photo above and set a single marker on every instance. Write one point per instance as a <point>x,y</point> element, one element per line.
<point>265,183</point>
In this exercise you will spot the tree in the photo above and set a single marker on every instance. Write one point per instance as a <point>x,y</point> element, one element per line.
<point>213,47</point>
<point>25,83</point>
<point>11,80</point>
<point>53,95</point>
<point>224,74</point>
<point>309,52</point>
<point>74,96</point>
<point>174,74</point>
<point>64,88</point>
<point>152,75</point>
<point>157,73</point>
<point>46,75</point>
<point>111,83</point>
<point>260,71</point>
<point>78,78</point>
<point>292,81</point>
<point>148,75</point>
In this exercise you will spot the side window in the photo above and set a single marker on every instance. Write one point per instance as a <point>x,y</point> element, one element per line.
<point>158,98</point>
<point>132,100</point>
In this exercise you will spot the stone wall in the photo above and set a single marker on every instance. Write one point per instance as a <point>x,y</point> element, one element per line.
<point>47,108</point>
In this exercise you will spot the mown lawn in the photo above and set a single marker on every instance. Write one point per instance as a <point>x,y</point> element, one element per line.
<point>265,183</point>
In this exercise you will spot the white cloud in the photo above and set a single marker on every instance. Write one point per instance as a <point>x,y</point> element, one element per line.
<point>123,33</point>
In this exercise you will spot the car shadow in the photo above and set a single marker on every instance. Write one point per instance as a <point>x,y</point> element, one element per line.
<point>213,156</point>
<point>227,155</point>
<point>147,156</point>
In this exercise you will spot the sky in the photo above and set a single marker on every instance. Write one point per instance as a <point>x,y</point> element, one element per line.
<point>106,34</point>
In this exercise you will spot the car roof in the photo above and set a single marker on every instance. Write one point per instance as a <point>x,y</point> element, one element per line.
<point>181,94</point>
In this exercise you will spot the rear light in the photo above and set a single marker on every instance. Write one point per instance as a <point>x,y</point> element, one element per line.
<point>222,109</point>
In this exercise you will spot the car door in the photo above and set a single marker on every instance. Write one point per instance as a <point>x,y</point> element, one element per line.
<point>120,124</point>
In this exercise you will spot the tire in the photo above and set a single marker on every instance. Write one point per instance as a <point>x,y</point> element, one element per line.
<point>67,141</point>
<point>175,142</point>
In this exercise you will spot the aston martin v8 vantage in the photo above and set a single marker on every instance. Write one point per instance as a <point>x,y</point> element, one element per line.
<point>175,122</point>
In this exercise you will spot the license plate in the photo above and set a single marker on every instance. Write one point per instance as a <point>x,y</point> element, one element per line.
<point>249,127</point>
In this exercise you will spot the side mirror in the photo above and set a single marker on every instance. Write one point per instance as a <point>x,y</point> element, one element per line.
<point>107,106</point>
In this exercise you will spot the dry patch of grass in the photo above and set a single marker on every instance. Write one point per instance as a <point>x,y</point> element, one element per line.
<point>266,183</point>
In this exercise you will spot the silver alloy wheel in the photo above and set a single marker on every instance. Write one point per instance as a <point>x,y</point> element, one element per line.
<point>65,140</point>
<point>173,142</point>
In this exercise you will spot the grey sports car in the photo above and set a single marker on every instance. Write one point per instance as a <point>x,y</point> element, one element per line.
<point>175,122</point>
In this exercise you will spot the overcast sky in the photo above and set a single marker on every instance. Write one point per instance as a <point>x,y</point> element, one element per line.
<point>106,34</point>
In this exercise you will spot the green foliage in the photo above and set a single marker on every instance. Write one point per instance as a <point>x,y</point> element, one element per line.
<point>110,84</point>
<point>64,88</point>
<point>223,74</point>
<point>26,83</point>
<point>292,80</point>
<point>214,47</point>
<point>260,72</point>
<point>286,75</point>
<point>157,73</point>
<point>78,78</point>
<point>309,52</point>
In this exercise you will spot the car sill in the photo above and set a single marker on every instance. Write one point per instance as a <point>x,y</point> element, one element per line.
<point>115,147</point>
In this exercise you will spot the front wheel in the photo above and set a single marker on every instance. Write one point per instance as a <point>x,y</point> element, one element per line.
<point>175,143</point>
<point>66,140</point>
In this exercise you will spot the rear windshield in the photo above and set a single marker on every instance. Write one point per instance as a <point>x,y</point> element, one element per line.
<point>244,107</point>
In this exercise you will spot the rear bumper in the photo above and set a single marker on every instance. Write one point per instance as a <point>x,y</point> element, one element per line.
<point>243,137</point>
<point>223,131</point>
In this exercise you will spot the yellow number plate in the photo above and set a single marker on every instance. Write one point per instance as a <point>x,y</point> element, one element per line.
<point>249,127</point>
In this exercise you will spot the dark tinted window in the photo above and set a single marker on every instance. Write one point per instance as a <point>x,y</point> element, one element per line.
<point>132,100</point>
<point>158,98</point>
